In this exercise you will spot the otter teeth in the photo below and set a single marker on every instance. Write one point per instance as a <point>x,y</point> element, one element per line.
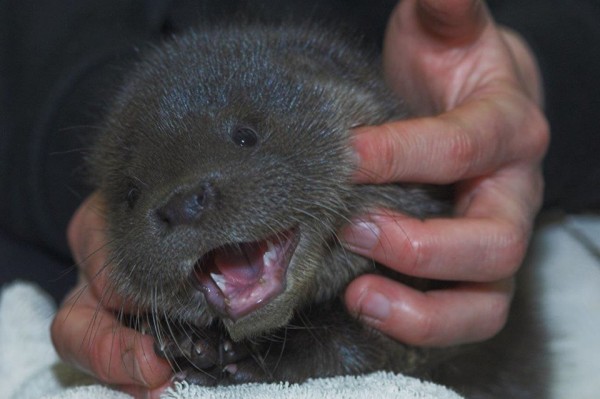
<point>271,255</point>
<point>269,259</point>
<point>219,280</point>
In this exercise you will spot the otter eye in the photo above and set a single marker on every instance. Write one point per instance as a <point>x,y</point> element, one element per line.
<point>133,194</point>
<point>244,136</point>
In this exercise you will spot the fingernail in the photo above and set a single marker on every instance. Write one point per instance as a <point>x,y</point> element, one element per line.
<point>361,235</point>
<point>374,307</point>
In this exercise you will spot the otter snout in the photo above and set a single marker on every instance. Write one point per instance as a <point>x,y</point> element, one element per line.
<point>187,205</point>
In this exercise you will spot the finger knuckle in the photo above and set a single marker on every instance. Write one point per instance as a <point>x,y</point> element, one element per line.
<point>56,331</point>
<point>102,356</point>
<point>405,249</point>
<point>518,242</point>
<point>513,242</point>
<point>463,151</point>
<point>73,235</point>
<point>540,133</point>
<point>414,256</point>
<point>424,329</point>
<point>497,315</point>
<point>535,133</point>
<point>99,348</point>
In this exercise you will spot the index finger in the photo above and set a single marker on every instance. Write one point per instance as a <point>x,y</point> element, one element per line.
<point>469,141</point>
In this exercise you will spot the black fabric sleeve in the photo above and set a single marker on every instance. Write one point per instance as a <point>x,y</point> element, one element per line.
<point>565,36</point>
<point>58,60</point>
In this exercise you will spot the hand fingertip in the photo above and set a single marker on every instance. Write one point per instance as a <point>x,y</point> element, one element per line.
<point>370,306</point>
<point>374,148</point>
<point>359,153</point>
<point>362,129</point>
<point>132,367</point>
<point>141,364</point>
<point>157,370</point>
<point>375,308</point>
<point>459,20</point>
<point>361,236</point>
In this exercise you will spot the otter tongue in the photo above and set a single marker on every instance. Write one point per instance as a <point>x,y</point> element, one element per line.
<point>238,279</point>
<point>243,266</point>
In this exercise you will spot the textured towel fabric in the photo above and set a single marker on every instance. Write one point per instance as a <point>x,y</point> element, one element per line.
<point>567,252</point>
<point>377,385</point>
<point>30,369</point>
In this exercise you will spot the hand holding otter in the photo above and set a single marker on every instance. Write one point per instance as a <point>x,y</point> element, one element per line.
<point>488,138</point>
<point>86,331</point>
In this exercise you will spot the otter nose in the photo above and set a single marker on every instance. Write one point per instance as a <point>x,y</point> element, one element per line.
<point>187,206</point>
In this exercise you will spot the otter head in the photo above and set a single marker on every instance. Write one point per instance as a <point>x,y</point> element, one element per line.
<point>225,164</point>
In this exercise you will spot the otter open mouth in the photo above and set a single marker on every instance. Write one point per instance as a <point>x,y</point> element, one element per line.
<point>237,279</point>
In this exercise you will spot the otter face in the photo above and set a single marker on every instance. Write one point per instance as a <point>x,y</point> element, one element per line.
<point>226,177</point>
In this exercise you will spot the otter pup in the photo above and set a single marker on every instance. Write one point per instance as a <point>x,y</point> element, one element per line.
<point>225,162</point>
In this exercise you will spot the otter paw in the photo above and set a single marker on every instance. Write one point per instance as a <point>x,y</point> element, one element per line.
<point>198,351</point>
<point>231,352</point>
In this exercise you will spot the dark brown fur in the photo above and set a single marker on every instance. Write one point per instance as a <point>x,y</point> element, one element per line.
<point>173,136</point>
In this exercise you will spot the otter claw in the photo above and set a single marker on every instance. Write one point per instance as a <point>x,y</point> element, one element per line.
<point>203,355</point>
<point>179,376</point>
<point>230,369</point>
<point>227,346</point>
<point>231,352</point>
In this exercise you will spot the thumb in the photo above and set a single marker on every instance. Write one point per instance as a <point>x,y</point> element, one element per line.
<point>453,22</point>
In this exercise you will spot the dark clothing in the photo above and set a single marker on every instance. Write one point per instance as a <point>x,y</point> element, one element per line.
<point>565,36</point>
<point>60,60</point>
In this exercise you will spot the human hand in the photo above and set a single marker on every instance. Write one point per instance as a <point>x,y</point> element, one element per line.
<point>488,137</point>
<point>86,332</point>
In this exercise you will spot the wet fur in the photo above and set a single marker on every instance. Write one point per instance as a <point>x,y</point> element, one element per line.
<point>301,89</point>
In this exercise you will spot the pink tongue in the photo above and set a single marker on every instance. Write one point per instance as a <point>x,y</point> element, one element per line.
<point>244,266</point>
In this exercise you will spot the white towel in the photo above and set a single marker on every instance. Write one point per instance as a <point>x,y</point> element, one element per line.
<point>376,385</point>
